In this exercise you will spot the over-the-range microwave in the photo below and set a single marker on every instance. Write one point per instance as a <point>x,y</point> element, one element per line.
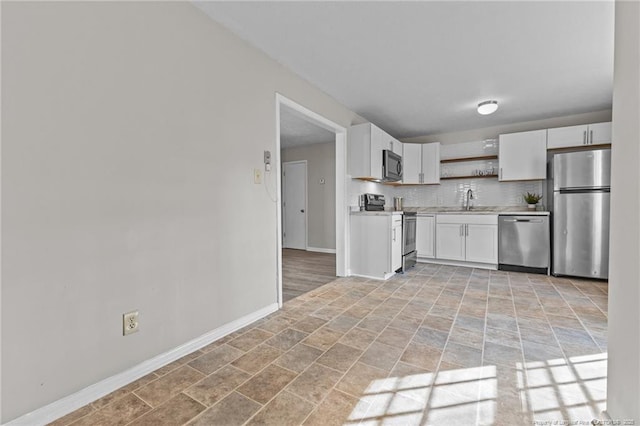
<point>391,166</point>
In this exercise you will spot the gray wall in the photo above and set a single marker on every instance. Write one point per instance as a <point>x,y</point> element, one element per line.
<point>623,387</point>
<point>321,202</point>
<point>130,132</point>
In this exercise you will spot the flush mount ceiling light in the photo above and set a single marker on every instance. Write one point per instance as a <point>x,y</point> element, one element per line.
<point>487,107</point>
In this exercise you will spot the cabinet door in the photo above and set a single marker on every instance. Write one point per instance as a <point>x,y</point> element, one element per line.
<point>563,137</point>
<point>450,241</point>
<point>481,243</point>
<point>396,247</point>
<point>430,162</point>
<point>600,133</point>
<point>397,147</point>
<point>377,145</point>
<point>425,233</point>
<point>412,163</point>
<point>523,156</point>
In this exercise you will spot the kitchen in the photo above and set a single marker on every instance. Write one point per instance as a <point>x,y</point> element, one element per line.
<point>482,224</point>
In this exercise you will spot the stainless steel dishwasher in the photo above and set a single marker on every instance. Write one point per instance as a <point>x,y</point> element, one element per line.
<point>523,243</point>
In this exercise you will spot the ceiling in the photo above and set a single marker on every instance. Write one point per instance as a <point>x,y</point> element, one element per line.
<point>421,67</point>
<point>296,131</point>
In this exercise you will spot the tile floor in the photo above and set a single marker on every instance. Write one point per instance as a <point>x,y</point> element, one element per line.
<point>303,271</point>
<point>440,345</point>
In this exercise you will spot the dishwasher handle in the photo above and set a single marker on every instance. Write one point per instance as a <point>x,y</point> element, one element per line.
<point>523,220</point>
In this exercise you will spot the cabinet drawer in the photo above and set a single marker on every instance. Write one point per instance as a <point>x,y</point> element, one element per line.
<point>479,219</point>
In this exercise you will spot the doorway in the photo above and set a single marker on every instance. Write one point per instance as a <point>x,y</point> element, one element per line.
<point>317,255</point>
<point>294,204</point>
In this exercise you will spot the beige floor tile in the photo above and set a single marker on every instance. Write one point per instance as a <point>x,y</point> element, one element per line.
<point>381,356</point>
<point>215,359</point>
<point>178,410</point>
<point>340,357</point>
<point>395,337</point>
<point>462,355</point>
<point>431,337</point>
<point>257,359</point>
<point>159,391</point>
<point>119,413</point>
<point>315,383</point>
<point>286,339</point>
<point>234,410</point>
<point>422,356</point>
<point>299,357</point>
<point>250,339</point>
<point>277,324</point>
<point>358,338</point>
<point>178,363</point>
<point>212,388</point>
<point>335,410</point>
<point>285,409</point>
<point>360,378</point>
<point>323,338</point>
<point>435,322</point>
<point>123,391</point>
<point>309,324</point>
<point>266,384</point>
<point>343,323</point>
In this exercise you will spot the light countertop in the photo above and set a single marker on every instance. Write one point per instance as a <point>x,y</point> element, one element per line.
<point>500,210</point>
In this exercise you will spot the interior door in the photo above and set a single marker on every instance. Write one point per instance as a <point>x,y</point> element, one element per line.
<point>294,208</point>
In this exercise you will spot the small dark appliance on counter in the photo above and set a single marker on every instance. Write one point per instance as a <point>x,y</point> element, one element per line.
<point>373,202</point>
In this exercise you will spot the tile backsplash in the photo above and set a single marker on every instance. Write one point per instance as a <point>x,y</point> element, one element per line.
<point>486,192</point>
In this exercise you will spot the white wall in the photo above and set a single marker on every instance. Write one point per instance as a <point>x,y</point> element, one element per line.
<point>130,134</point>
<point>321,197</point>
<point>623,387</point>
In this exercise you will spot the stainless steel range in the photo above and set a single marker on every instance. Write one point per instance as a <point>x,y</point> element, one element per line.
<point>409,222</point>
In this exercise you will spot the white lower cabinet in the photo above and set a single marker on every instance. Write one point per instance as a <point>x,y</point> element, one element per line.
<point>425,236</point>
<point>467,237</point>
<point>450,241</point>
<point>376,244</point>
<point>481,243</point>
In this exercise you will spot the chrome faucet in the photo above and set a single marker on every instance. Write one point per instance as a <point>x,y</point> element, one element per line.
<point>468,197</point>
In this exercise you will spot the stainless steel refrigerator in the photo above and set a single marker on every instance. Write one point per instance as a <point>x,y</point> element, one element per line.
<point>581,198</point>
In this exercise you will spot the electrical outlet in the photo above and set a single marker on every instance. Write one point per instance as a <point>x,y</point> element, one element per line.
<point>130,323</point>
<point>257,176</point>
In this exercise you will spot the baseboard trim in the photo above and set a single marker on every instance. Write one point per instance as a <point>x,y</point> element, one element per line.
<point>489,266</point>
<point>321,250</point>
<point>68,404</point>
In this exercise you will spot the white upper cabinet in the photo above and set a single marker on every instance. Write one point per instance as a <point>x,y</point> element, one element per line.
<point>412,163</point>
<point>431,162</point>
<point>364,144</point>
<point>421,163</point>
<point>523,156</point>
<point>392,144</point>
<point>571,136</point>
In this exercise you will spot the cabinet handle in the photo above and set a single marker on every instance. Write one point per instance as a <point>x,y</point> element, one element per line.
<point>394,234</point>
<point>466,230</point>
<point>591,136</point>
<point>500,177</point>
<point>584,137</point>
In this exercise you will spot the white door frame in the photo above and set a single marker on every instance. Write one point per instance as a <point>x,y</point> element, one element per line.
<point>342,222</point>
<point>306,200</point>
